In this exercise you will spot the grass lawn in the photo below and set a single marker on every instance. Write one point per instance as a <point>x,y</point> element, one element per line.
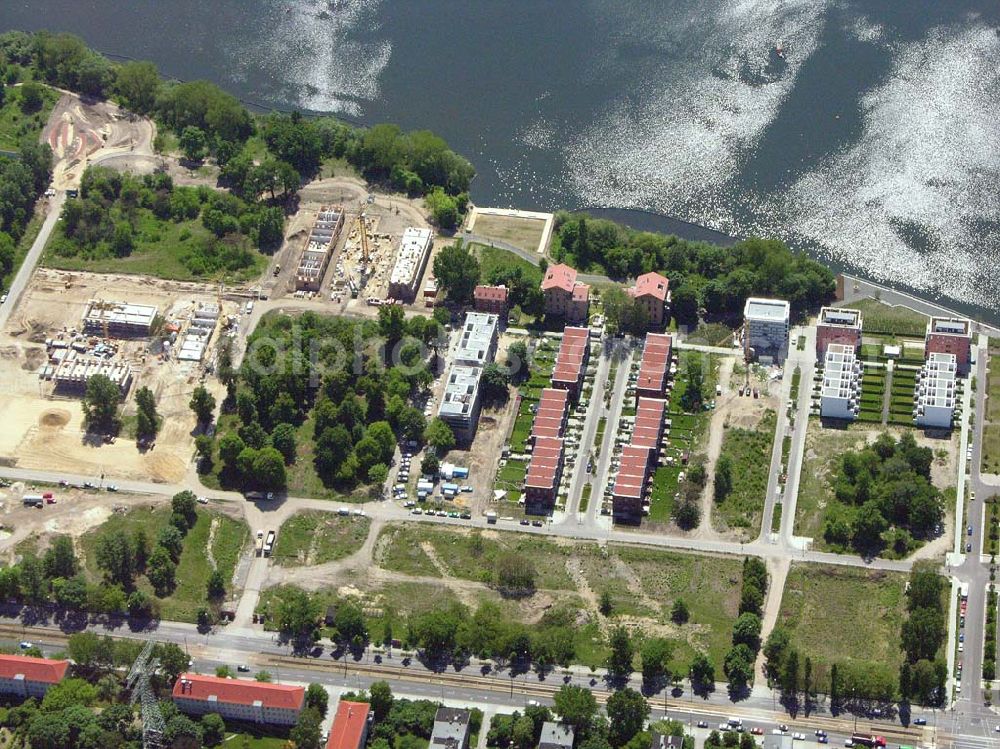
<point>471,555</point>
<point>525,233</point>
<point>749,450</point>
<point>249,741</point>
<point>991,429</point>
<point>837,614</point>
<point>492,258</point>
<point>192,569</point>
<point>646,582</point>
<point>823,448</point>
<point>661,496</point>
<point>16,126</point>
<point>892,320</point>
<point>160,249</point>
<point>309,538</point>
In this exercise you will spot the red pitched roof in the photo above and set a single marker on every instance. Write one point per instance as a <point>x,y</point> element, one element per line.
<point>653,284</point>
<point>491,293</point>
<point>559,277</point>
<point>551,414</point>
<point>572,350</point>
<point>655,363</point>
<point>239,691</point>
<point>581,292</point>
<point>544,468</point>
<point>631,477</point>
<point>348,725</point>
<point>43,670</point>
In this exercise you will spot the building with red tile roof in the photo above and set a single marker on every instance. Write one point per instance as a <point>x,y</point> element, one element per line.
<point>491,299</point>
<point>652,293</point>
<point>24,676</point>
<point>239,699</point>
<point>571,361</point>
<point>550,417</point>
<point>654,368</point>
<point>563,295</point>
<point>541,483</point>
<point>638,461</point>
<point>350,726</point>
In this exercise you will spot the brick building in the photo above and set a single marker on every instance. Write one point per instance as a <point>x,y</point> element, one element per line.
<point>571,361</point>
<point>652,292</point>
<point>840,325</point>
<point>950,335</point>
<point>541,482</point>
<point>564,296</point>
<point>491,299</point>
<point>654,368</point>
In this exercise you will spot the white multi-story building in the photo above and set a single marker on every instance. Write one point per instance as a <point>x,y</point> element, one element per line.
<point>934,397</point>
<point>239,699</point>
<point>461,401</point>
<point>24,676</point>
<point>839,396</point>
<point>411,260</point>
<point>766,334</point>
<point>477,342</point>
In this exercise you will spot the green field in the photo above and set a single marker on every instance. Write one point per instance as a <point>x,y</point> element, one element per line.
<point>837,614</point>
<point>749,450</point>
<point>192,570</point>
<point>16,125</point>
<point>525,233</point>
<point>313,537</point>
<point>991,429</point>
<point>885,319</point>
<point>822,450</point>
<point>161,248</point>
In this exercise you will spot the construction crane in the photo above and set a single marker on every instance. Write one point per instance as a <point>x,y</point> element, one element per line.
<point>363,227</point>
<point>137,682</point>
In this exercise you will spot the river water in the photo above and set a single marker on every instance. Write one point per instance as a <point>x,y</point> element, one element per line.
<point>874,142</point>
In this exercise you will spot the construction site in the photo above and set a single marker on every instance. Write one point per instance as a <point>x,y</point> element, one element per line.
<point>138,332</point>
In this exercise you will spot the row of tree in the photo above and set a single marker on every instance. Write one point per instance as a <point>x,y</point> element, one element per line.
<point>739,662</point>
<point>702,275</point>
<point>22,181</point>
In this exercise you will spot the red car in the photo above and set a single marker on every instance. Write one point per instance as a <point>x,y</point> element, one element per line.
<point>47,495</point>
<point>757,731</point>
<point>50,500</point>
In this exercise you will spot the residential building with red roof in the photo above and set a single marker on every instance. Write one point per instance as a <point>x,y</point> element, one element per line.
<point>652,293</point>
<point>564,296</point>
<point>638,461</point>
<point>491,299</point>
<point>571,361</point>
<point>550,416</point>
<point>239,699</point>
<point>950,335</point>
<point>654,368</point>
<point>24,676</point>
<point>838,325</point>
<point>350,726</point>
<point>541,482</point>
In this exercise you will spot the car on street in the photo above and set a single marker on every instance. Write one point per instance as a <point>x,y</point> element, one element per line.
<point>89,485</point>
<point>417,511</point>
<point>961,637</point>
<point>970,530</point>
<point>848,742</point>
<point>203,500</point>
<point>3,298</point>
<point>757,731</point>
<point>112,488</point>
<point>409,503</point>
<point>798,737</point>
<point>704,724</point>
<point>525,521</point>
<point>466,488</point>
<point>920,722</point>
<point>466,516</point>
<point>243,668</point>
<point>783,728</point>
<point>968,548</point>
<point>50,500</point>
<point>537,523</point>
<point>822,739</point>
<point>24,645</point>
<point>820,732</point>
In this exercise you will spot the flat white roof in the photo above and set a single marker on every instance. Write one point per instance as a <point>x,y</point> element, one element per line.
<point>840,316</point>
<point>118,313</point>
<point>937,381</point>
<point>412,252</point>
<point>460,391</point>
<point>949,326</point>
<point>476,337</point>
<point>775,310</point>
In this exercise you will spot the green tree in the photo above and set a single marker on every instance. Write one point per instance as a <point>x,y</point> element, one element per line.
<point>694,385</point>
<point>723,478</point>
<point>32,96</point>
<point>495,384</point>
<point>100,403</point>
<point>627,712</point>
<point>349,622</point>
<point>738,667</point>
<point>283,440</point>
<point>457,272</point>
<point>297,613</point>
<point>137,84</point>
<point>216,586</point>
<point>193,143</point>
<point>213,729</point>
<point>430,464</point>
<point>170,539</point>
<point>439,436</point>
<point>147,420</point>
<point>655,654</point>
<point>306,732</point>
<point>684,304</point>
<point>381,700</point>
<point>620,658</point>
<point>67,693</point>
<point>444,209</point>
<point>679,613</point>
<point>775,649</point>
<point>173,660</point>
<point>161,571</point>
<point>576,706</point>
<point>702,671</point>
<point>182,733</point>
<point>746,630</point>
<point>185,504</point>
<point>790,673</point>
<point>115,557</point>
<point>318,698</point>
<point>60,559</point>
<point>514,574</point>
<point>203,404</point>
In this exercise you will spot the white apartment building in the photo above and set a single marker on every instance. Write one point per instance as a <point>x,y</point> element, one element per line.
<point>766,329</point>
<point>934,398</point>
<point>839,395</point>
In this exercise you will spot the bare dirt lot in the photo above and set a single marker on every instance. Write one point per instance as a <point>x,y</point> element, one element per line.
<point>519,231</point>
<point>45,429</point>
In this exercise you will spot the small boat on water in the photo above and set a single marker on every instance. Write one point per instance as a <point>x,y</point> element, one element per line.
<point>779,49</point>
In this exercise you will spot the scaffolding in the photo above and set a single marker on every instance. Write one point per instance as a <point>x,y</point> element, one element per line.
<point>138,683</point>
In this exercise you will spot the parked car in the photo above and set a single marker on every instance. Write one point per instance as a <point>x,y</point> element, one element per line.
<point>24,645</point>
<point>704,724</point>
<point>112,488</point>
<point>243,668</point>
<point>920,721</point>
<point>203,500</point>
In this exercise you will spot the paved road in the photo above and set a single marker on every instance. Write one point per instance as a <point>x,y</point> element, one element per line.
<point>593,416</point>
<point>806,361</point>
<point>20,282</point>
